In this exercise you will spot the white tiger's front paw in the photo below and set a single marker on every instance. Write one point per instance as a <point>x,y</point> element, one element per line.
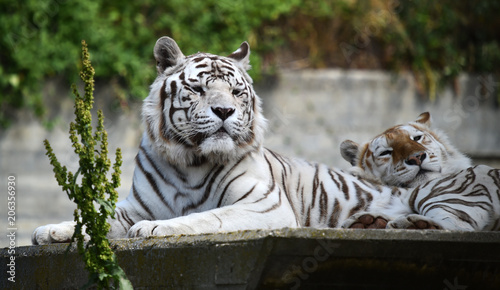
<point>141,229</point>
<point>145,229</point>
<point>54,233</point>
<point>414,222</point>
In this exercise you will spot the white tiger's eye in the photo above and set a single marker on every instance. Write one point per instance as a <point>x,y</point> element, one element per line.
<point>236,92</point>
<point>198,89</point>
<point>385,153</point>
<point>416,138</point>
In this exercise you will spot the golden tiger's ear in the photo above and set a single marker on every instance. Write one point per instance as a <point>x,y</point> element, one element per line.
<point>242,56</point>
<point>425,119</point>
<point>167,53</point>
<point>349,151</point>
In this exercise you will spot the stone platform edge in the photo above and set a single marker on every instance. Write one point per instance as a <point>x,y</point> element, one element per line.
<point>279,259</point>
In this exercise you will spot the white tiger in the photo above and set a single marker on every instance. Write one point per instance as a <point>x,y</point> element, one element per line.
<point>411,155</point>
<point>201,167</point>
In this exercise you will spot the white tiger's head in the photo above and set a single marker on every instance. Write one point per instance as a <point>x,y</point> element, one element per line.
<point>202,107</point>
<point>405,155</point>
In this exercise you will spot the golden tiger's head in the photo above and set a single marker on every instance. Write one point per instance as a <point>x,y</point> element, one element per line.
<point>405,155</point>
<point>202,107</point>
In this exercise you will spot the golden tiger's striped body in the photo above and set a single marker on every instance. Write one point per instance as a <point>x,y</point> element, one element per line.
<point>466,200</point>
<point>201,167</point>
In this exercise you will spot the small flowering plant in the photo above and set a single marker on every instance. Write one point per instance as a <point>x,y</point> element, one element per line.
<point>90,185</point>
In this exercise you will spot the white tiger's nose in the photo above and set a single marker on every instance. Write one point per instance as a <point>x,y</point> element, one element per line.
<point>222,113</point>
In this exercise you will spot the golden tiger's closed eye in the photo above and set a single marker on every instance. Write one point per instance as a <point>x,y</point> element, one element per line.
<point>417,138</point>
<point>385,153</point>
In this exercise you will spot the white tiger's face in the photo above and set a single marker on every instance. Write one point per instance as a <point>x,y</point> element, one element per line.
<point>406,155</point>
<point>204,108</point>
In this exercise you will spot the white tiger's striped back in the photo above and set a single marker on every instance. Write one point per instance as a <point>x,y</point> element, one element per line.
<point>326,197</point>
<point>319,196</point>
<point>299,193</point>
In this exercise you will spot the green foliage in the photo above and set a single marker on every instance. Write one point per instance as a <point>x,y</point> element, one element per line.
<point>445,38</point>
<point>94,164</point>
<point>38,39</point>
<point>436,40</point>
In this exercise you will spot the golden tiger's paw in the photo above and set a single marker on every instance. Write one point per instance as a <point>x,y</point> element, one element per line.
<point>414,222</point>
<point>366,220</point>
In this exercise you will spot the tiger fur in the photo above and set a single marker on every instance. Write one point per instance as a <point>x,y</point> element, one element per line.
<point>405,155</point>
<point>411,155</point>
<point>201,167</point>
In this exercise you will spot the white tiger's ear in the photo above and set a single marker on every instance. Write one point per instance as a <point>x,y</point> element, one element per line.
<point>167,53</point>
<point>424,119</point>
<point>242,56</point>
<point>349,150</point>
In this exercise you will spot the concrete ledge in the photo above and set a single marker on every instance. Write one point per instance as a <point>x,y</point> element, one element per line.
<point>281,259</point>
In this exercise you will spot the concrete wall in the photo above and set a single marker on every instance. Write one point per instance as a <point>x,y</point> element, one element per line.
<point>281,259</point>
<point>309,112</point>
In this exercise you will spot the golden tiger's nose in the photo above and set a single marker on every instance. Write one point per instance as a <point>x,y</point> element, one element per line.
<point>416,159</point>
<point>223,113</point>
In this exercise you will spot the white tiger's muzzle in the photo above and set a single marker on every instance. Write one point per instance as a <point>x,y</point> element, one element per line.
<point>220,130</point>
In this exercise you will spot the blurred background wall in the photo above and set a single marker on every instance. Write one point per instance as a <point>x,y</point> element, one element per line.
<point>326,71</point>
